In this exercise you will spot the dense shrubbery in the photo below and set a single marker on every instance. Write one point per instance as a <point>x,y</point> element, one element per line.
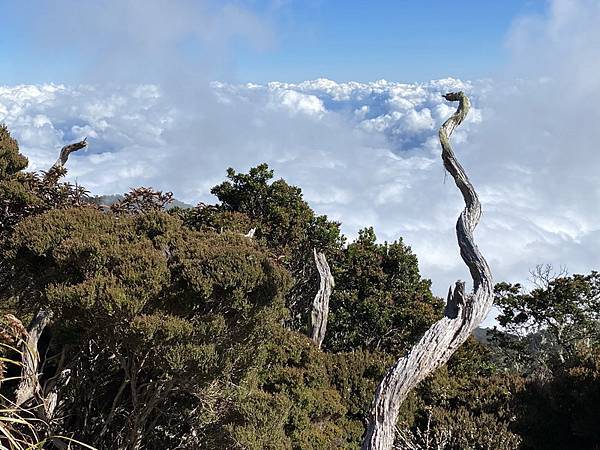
<point>380,303</point>
<point>173,330</point>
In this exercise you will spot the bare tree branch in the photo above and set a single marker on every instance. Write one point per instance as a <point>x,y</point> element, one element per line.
<point>320,309</point>
<point>543,274</point>
<point>464,312</point>
<point>67,150</point>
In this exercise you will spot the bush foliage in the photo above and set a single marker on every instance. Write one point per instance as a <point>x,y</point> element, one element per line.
<point>172,329</point>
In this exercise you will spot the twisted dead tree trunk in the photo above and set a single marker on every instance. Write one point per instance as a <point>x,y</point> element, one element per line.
<point>320,309</point>
<point>67,150</point>
<point>464,312</point>
<point>29,386</point>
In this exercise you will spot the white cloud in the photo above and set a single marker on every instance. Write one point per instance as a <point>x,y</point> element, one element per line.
<point>297,102</point>
<point>366,153</point>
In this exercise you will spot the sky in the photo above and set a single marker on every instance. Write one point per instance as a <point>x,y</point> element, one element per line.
<point>403,40</point>
<point>343,40</point>
<point>342,99</point>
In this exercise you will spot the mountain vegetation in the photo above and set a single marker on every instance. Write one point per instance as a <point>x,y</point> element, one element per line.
<point>138,325</point>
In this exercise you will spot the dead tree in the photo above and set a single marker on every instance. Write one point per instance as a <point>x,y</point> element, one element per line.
<point>320,309</point>
<point>464,312</point>
<point>29,384</point>
<point>67,150</point>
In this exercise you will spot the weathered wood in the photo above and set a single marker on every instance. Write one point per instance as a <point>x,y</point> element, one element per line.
<point>29,385</point>
<point>67,150</point>
<point>463,314</point>
<point>320,309</point>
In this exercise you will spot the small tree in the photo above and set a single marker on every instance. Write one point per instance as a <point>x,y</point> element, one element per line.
<point>380,303</point>
<point>283,222</point>
<point>549,321</point>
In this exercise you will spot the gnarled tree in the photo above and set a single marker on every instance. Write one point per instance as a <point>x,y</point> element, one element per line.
<point>320,308</point>
<point>464,312</point>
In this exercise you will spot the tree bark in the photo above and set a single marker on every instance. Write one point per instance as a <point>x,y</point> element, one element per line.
<point>320,309</point>
<point>464,312</point>
<point>29,385</point>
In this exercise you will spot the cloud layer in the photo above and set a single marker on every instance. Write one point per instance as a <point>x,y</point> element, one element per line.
<point>366,153</point>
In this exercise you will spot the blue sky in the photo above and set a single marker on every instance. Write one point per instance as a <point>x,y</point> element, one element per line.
<point>402,40</point>
<point>343,40</point>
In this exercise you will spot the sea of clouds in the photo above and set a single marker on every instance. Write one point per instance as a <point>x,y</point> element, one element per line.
<point>365,154</point>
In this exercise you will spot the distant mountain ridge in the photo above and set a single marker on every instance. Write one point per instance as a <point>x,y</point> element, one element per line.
<point>111,199</point>
<point>482,335</point>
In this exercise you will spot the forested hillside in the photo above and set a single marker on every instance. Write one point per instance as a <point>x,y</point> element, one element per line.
<point>143,326</point>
